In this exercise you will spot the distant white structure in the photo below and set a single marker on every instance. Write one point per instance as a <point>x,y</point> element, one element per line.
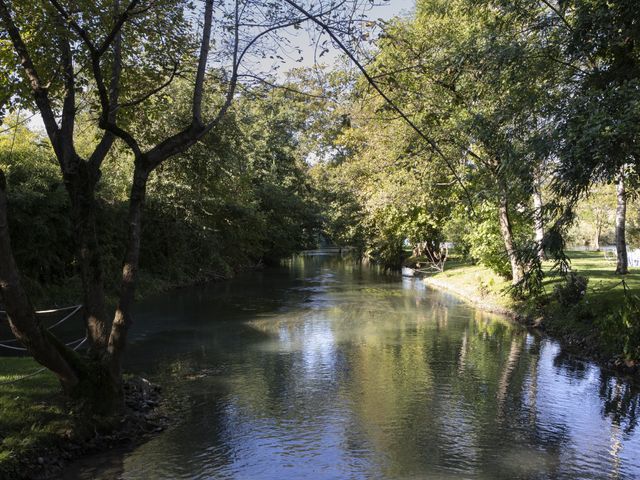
<point>609,251</point>
<point>633,257</point>
<point>408,272</point>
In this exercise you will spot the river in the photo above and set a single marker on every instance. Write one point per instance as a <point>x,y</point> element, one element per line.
<point>325,369</point>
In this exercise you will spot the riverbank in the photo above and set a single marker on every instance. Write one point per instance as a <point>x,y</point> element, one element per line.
<point>596,327</point>
<point>41,430</point>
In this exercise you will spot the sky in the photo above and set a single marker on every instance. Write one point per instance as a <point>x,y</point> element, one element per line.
<point>390,9</point>
<point>393,8</point>
<point>300,38</point>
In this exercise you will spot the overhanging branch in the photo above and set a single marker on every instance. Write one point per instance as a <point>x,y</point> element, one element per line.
<point>391,103</point>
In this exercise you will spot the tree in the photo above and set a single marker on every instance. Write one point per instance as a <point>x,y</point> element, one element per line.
<point>599,44</point>
<point>464,71</point>
<point>595,217</point>
<point>621,220</point>
<point>121,57</point>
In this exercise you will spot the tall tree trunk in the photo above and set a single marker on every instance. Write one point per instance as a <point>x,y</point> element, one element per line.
<point>596,237</point>
<point>122,320</point>
<point>621,214</point>
<point>517,271</point>
<point>22,319</point>
<point>538,220</point>
<point>81,189</point>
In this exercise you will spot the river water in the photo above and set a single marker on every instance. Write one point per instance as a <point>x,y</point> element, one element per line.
<point>325,369</point>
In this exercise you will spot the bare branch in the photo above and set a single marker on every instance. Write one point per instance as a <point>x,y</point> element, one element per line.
<point>273,28</point>
<point>234,74</point>
<point>281,87</point>
<point>558,14</point>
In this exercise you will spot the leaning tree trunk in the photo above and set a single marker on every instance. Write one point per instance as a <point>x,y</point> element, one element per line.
<point>621,214</point>
<point>517,271</point>
<point>538,221</point>
<point>23,322</point>
<point>123,319</point>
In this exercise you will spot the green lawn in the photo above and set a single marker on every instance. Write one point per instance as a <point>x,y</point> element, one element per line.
<point>605,288</point>
<point>475,282</point>
<point>33,410</point>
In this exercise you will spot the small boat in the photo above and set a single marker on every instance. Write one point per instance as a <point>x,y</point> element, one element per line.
<point>408,272</point>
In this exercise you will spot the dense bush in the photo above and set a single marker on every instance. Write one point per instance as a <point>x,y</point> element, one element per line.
<point>571,291</point>
<point>621,328</point>
<point>238,198</point>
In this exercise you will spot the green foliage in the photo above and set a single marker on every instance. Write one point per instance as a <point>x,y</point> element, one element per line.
<point>514,97</point>
<point>38,207</point>
<point>485,246</point>
<point>571,291</point>
<point>381,191</point>
<point>239,197</point>
<point>484,243</point>
<point>467,76</point>
<point>621,328</point>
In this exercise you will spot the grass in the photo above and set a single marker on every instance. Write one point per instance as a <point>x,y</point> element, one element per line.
<point>38,422</point>
<point>475,282</point>
<point>35,416</point>
<point>605,288</point>
<point>589,325</point>
<point>33,410</point>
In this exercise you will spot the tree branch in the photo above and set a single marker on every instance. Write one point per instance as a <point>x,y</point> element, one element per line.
<point>39,90</point>
<point>108,137</point>
<point>202,63</point>
<point>67,123</point>
<point>390,102</point>
<point>84,35</point>
<point>559,14</point>
<point>149,94</point>
<point>281,87</point>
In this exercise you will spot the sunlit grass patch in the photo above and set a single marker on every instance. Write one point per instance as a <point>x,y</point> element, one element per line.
<point>605,286</point>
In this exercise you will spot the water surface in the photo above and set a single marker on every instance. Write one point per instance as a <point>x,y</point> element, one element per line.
<point>330,370</point>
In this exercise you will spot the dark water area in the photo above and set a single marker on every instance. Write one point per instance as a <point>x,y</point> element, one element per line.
<point>327,369</point>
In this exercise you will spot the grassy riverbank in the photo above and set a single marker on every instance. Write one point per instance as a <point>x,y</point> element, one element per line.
<point>33,411</point>
<point>600,325</point>
<point>41,429</point>
<point>35,417</point>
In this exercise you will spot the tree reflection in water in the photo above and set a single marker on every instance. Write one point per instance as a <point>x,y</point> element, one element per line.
<point>330,369</point>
